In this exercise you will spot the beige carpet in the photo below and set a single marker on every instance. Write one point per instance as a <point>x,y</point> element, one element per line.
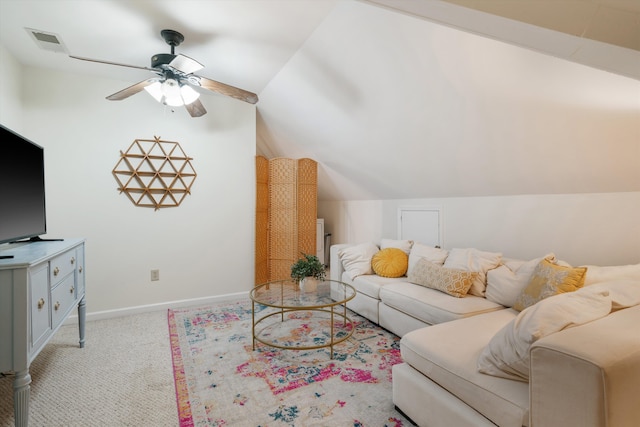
<point>123,377</point>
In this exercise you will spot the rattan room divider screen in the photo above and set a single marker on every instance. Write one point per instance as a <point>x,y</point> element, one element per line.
<point>286,212</point>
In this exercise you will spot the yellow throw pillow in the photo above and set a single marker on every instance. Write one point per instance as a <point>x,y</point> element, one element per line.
<point>390,262</point>
<point>448,280</point>
<point>550,279</point>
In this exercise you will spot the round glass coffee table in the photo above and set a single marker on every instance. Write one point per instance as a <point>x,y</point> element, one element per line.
<point>301,319</point>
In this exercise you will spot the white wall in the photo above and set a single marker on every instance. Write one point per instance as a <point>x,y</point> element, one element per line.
<point>203,248</point>
<point>10,104</point>
<point>597,228</point>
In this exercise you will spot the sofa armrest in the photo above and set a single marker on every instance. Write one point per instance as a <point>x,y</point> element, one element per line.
<point>589,375</point>
<point>336,270</point>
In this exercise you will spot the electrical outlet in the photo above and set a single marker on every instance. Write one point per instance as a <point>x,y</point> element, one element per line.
<point>155,275</point>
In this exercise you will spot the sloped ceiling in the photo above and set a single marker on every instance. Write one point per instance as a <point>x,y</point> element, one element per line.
<point>600,33</point>
<point>615,22</point>
<point>394,105</point>
<point>393,98</point>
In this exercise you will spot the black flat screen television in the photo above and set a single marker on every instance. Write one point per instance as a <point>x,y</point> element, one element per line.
<point>22,195</point>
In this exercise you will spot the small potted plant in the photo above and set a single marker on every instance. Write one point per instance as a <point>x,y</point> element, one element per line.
<point>307,266</point>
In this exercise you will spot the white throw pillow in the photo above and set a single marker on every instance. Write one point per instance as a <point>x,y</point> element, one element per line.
<point>420,251</point>
<point>471,259</point>
<point>356,259</point>
<point>404,245</point>
<point>507,354</point>
<point>598,274</point>
<point>505,283</point>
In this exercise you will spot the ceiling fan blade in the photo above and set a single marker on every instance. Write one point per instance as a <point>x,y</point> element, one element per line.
<point>131,90</point>
<point>111,63</point>
<point>185,64</point>
<point>227,90</point>
<point>196,109</point>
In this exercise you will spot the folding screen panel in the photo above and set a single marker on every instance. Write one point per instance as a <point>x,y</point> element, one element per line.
<point>262,221</point>
<point>289,190</point>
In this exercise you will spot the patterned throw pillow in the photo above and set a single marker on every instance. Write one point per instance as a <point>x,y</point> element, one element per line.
<point>390,262</point>
<point>449,280</point>
<point>550,279</point>
<point>472,259</point>
<point>430,253</point>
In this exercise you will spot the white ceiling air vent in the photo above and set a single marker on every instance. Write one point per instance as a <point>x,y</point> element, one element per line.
<point>47,41</point>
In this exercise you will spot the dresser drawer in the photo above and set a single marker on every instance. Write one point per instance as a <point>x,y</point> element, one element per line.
<point>61,266</point>
<point>62,298</point>
<point>40,304</point>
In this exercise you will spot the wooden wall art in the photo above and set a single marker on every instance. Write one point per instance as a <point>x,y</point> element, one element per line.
<point>155,173</point>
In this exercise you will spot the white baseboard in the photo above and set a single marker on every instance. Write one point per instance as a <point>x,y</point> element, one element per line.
<point>128,311</point>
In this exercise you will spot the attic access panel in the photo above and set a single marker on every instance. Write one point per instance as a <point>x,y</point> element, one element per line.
<point>421,224</point>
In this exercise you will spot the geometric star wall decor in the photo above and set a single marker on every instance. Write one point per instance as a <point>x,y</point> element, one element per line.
<point>155,173</point>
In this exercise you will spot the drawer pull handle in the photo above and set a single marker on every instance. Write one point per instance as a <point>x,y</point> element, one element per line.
<point>56,271</point>
<point>71,289</point>
<point>40,303</point>
<point>73,260</point>
<point>80,269</point>
<point>57,305</point>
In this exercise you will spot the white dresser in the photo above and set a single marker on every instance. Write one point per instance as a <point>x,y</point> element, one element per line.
<point>40,286</point>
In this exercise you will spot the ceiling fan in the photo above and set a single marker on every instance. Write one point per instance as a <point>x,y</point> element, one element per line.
<point>173,84</point>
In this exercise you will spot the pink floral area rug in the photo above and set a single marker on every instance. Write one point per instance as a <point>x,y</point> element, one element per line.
<point>221,381</point>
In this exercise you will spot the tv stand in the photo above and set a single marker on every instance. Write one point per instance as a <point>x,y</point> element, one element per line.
<point>39,288</point>
<point>31,240</point>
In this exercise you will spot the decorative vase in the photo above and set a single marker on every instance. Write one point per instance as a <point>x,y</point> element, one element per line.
<point>308,284</point>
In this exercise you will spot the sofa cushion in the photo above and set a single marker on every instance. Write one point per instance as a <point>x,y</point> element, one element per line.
<point>507,354</point>
<point>448,280</point>
<point>431,306</point>
<point>420,251</point>
<point>550,279</point>
<point>472,259</point>
<point>370,284</point>
<point>505,283</point>
<point>447,354</point>
<point>390,262</point>
<point>356,259</point>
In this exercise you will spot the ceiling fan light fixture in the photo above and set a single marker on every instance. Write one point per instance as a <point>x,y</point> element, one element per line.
<point>155,90</point>
<point>174,77</point>
<point>189,95</point>
<point>171,93</point>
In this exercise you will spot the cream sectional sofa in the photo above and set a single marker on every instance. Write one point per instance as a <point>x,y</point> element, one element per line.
<point>398,305</point>
<point>569,360</point>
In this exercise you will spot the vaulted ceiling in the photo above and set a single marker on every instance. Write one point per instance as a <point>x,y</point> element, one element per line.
<point>231,36</point>
<point>600,33</point>
<point>396,106</point>
<point>394,98</point>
